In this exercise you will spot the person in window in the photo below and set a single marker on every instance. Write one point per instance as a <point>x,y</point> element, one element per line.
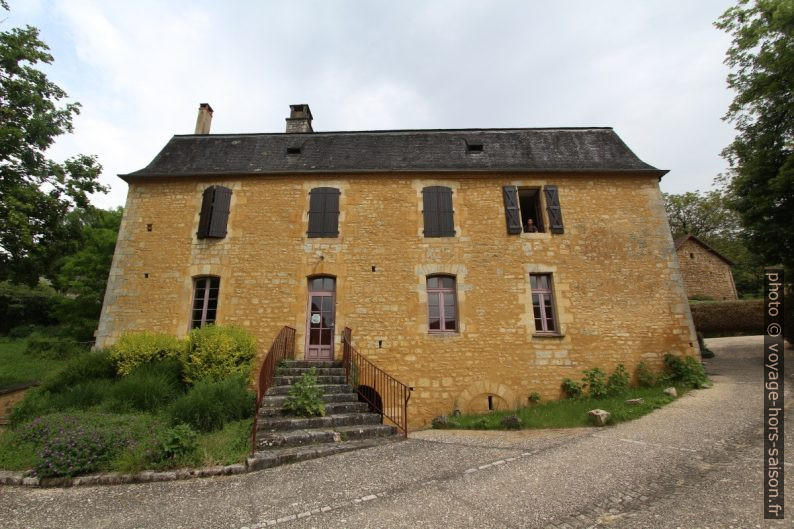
<point>531,228</point>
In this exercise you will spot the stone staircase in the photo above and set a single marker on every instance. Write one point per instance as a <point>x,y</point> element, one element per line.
<point>347,425</point>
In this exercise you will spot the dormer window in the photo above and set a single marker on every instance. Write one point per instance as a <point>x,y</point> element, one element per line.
<point>473,147</point>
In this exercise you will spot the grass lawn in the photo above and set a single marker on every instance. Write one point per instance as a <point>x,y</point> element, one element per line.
<point>16,366</point>
<point>570,413</point>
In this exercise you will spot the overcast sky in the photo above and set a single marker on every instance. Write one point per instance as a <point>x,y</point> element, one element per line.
<point>652,69</point>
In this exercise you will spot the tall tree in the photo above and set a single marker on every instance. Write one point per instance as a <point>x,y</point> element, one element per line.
<point>761,184</point>
<point>36,193</point>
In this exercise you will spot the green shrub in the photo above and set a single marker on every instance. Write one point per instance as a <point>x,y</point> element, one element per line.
<point>646,378</point>
<point>687,371</point>
<point>146,389</point>
<point>305,397</point>
<point>137,348</point>
<point>23,305</point>
<point>572,388</point>
<point>87,366</point>
<point>729,317</point>
<point>84,395</point>
<point>595,381</point>
<point>209,405</point>
<point>37,402</point>
<point>23,331</point>
<point>215,352</point>
<point>788,314</point>
<point>54,348</point>
<point>176,443</point>
<point>534,397</point>
<point>618,381</point>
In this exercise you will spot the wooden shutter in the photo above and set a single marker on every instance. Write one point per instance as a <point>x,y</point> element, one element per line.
<point>512,213</point>
<point>553,207</point>
<point>206,213</point>
<point>220,212</point>
<point>437,212</point>
<point>323,212</point>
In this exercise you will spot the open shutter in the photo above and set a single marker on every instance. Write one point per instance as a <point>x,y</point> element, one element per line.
<point>430,212</point>
<point>437,212</point>
<point>206,213</point>
<point>512,213</point>
<point>220,212</point>
<point>323,212</point>
<point>446,222</point>
<point>553,207</point>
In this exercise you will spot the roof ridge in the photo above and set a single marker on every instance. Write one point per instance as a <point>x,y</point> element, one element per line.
<point>386,131</point>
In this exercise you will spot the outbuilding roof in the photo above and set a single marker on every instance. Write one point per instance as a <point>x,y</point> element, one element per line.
<point>689,237</point>
<point>461,150</point>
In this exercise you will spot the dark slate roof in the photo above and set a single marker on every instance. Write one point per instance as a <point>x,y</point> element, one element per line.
<point>690,237</point>
<point>543,150</point>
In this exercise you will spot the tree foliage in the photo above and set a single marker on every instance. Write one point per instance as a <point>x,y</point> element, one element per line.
<point>36,193</point>
<point>761,185</point>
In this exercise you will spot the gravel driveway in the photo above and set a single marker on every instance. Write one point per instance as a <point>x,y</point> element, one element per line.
<point>695,463</point>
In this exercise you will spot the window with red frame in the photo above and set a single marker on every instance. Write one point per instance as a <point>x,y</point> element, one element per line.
<point>442,310</point>
<point>543,303</point>
<point>205,301</point>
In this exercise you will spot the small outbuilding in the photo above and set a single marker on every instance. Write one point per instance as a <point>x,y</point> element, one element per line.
<point>706,272</point>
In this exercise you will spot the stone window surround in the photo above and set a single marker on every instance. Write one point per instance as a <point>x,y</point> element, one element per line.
<point>459,272</point>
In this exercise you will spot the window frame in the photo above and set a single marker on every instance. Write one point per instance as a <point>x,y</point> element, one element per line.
<point>540,221</point>
<point>435,211</point>
<point>544,303</point>
<point>205,300</point>
<point>439,293</point>
<point>323,214</point>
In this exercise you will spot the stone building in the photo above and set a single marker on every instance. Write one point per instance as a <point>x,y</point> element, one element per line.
<point>706,272</point>
<point>417,240</point>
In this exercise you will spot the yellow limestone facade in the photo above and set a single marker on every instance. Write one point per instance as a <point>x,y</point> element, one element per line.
<point>705,274</point>
<point>617,287</point>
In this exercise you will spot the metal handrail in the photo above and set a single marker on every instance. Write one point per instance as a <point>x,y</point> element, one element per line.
<point>385,394</point>
<point>283,347</point>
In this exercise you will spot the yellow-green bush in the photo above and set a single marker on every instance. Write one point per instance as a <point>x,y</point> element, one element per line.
<point>136,348</point>
<point>217,351</point>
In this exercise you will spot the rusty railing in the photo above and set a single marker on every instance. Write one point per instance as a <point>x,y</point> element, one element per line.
<point>283,347</point>
<point>385,394</point>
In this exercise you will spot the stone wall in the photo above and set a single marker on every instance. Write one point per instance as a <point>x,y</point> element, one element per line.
<point>705,274</point>
<point>617,287</point>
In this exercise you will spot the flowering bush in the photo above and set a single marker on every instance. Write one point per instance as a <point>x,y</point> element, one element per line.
<point>74,451</point>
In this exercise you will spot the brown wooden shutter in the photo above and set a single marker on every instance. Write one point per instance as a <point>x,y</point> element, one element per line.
<point>553,207</point>
<point>323,212</point>
<point>512,213</point>
<point>220,212</point>
<point>437,212</point>
<point>206,213</point>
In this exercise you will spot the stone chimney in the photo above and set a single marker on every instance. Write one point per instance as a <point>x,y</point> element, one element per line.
<point>300,119</point>
<point>204,119</point>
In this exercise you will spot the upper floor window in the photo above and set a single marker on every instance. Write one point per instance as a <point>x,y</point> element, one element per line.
<point>524,213</point>
<point>323,212</point>
<point>442,310</point>
<point>214,212</point>
<point>205,301</point>
<point>437,210</point>
<point>543,303</point>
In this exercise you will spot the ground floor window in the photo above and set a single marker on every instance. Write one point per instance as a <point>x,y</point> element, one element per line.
<point>442,308</point>
<point>543,303</point>
<point>205,300</point>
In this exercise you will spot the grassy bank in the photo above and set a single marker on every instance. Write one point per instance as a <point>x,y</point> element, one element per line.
<point>17,366</point>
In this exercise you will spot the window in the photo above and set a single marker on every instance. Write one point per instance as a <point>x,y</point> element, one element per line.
<point>323,212</point>
<point>214,212</point>
<point>523,204</point>
<point>205,301</point>
<point>442,309</point>
<point>437,211</point>
<point>542,303</point>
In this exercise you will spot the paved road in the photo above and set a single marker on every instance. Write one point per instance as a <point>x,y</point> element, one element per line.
<point>695,463</point>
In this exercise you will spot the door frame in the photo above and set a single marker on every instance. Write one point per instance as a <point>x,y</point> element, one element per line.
<point>308,327</point>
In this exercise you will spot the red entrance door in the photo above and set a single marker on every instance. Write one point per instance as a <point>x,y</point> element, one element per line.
<point>321,317</point>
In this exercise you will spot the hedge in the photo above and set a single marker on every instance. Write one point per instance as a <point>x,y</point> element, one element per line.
<point>788,315</point>
<point>729,317</point>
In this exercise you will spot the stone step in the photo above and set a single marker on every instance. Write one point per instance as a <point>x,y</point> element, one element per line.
<point>324,379</point>
<point>307,423</point>
<point>277,401</point>
<point>328,389</point>
<point>309,364</point>
<point>300,371</point>
<point>284,456</point>
<point>331,408</point>
<point>276,440</point>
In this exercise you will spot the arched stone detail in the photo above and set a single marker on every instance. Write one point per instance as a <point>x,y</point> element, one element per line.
<point>483,388</point>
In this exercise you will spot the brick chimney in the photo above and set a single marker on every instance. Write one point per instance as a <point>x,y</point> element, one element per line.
<point>204,119</point>
<point>300,119</point>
